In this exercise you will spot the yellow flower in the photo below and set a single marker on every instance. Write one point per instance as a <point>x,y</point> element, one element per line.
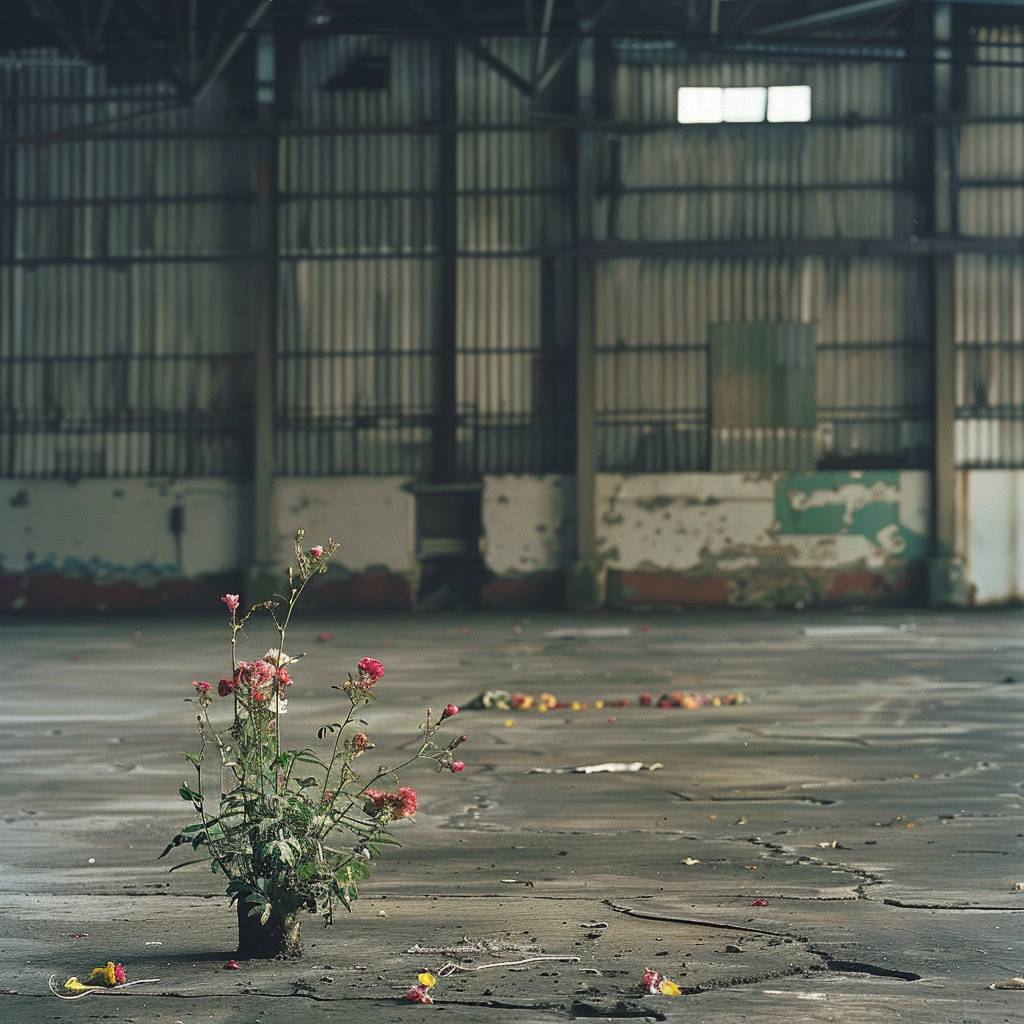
<point>74,985</point>
<point>426,979</point>
<point>106,975</point>
<point>669,988</point>
<point>599,704</point>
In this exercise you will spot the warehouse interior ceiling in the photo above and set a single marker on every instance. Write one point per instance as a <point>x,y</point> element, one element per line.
<point>188,42</point>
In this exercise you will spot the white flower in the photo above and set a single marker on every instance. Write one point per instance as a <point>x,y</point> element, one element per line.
<point>282,706</point>
<point>272,655</point>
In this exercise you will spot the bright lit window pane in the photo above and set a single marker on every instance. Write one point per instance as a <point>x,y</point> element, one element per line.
<point>700,105</point>
<point>744,104</point>
<point>789,103</point>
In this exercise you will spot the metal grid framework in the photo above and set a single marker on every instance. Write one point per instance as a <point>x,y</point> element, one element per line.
<point>989,327</point>
<point>725,186</point>
<point>426,249</point>
<point>123,283</point>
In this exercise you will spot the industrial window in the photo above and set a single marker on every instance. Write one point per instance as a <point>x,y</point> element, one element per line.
<point>744,104</point>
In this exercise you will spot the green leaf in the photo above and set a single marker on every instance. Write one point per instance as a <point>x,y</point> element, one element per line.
<point>196,759</point>
<point>186,792</point>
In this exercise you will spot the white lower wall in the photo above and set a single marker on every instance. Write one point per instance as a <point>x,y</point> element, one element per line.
<point>373,518</point>
<point>121,528</point>
<point>991,533</point>
<point>527,523</point>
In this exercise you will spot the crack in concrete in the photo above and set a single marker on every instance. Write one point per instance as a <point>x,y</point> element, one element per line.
<point>690,798</point>
<point>722,926</point>
<point>907,905</point>
<point>867,878</point>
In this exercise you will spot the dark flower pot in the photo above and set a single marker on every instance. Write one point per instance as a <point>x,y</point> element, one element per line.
<point>278,939</point>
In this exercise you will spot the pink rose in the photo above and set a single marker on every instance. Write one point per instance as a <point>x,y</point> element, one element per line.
<point>202,687</point>
<point>450,711</point>
<point>370,670</point>
<point>226,687</point>
<point>231,600</point>
<point>318,551</point>
<point>457,766</point>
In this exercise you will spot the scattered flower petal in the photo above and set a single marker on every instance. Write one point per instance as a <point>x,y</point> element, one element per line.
<point>418,994</point>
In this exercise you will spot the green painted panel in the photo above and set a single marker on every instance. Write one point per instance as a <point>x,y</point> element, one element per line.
<point>864,504</point>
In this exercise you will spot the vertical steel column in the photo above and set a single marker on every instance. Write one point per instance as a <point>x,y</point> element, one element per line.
<point>946,579</point>
<point>265,297</point>
<point>586,583</point>
<point>445,462</point>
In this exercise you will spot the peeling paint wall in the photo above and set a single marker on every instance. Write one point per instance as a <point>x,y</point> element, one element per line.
<point>374,521</point>
<point>764,539</point>
<point>100,544</point>
<point>990,533</point>
<point>742,539</point>
<point>528,527</point>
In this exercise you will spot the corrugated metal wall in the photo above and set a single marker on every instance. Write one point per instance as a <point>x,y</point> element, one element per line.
<point>124,318</point>
<point>514,328</point>
<point>358,180</point>
<point>727,184</point>
<point>990,288</point>
<point>127,267</point>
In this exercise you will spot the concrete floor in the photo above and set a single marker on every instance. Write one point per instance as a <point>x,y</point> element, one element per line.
<point>871,791</point>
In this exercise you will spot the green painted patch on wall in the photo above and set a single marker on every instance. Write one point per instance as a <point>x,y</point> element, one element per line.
<point>863,504</point>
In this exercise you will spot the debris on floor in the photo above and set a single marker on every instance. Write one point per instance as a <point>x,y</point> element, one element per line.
<point>593,769</point>
<point>587,633</point>
<point>109,978</point>
<point>505,700</point>
<point>1014,983</point>
<point>656,984</point>
<point>840,632</point>
<point>426,981</point>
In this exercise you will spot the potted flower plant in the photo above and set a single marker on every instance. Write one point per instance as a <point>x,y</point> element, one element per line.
<point>292,830</point>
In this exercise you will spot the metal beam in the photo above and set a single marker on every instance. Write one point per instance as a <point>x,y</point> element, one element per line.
<point>444,469</point>
<point>478,50</point>
<point>213,72</point>
<point>586,583</point>
<point>947,584</point>
<point>52,16</point>
<point>540,51</point>
<point>549,73</point>
<point>265,297</point>
<point>831,16</point>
